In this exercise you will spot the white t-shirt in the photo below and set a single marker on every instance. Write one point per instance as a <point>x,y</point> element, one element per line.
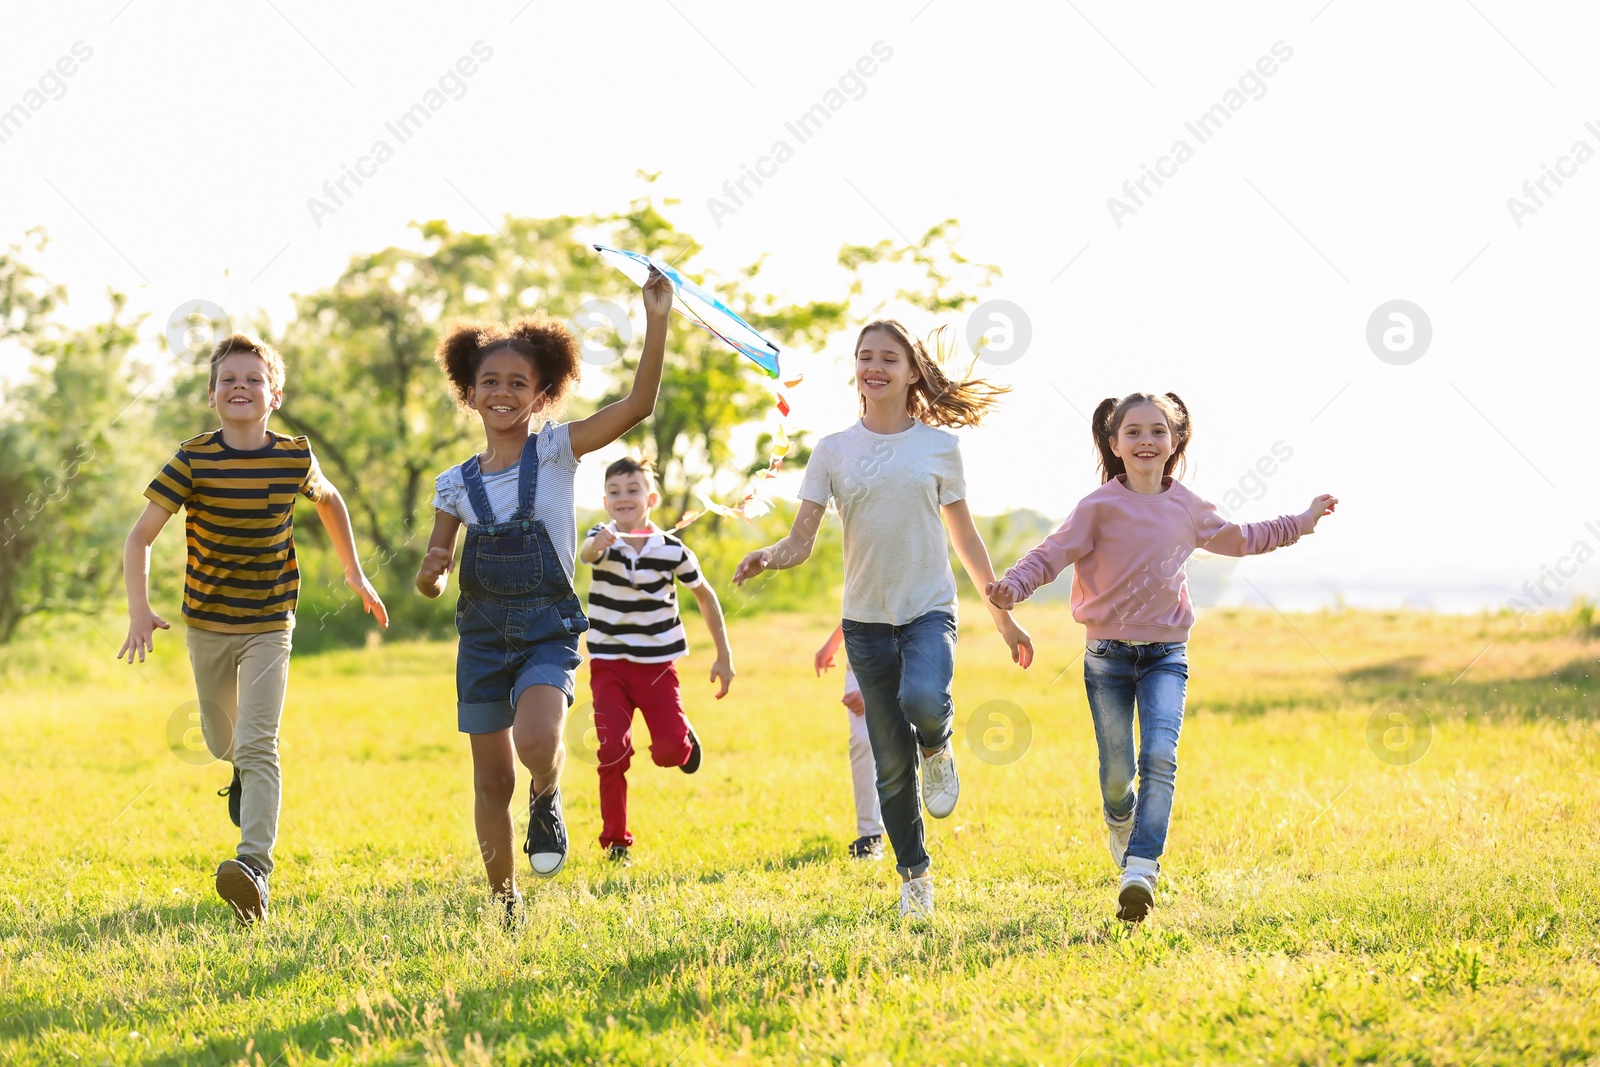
<point>889,489</point>
<point>554,503</point>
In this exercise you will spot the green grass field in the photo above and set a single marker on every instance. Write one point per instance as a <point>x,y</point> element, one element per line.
<point>1318,904</point>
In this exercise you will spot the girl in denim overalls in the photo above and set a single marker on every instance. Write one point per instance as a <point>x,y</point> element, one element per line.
<point>518,616</point>
<point>1127,543</point>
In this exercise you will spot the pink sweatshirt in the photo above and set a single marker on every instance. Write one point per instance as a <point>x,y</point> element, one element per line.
<point>1130,549</point>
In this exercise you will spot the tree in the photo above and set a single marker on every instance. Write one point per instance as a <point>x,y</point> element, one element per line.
<point>64,514</point>
<point>26,301</point>
<point>77,440</point>
<point>940,289</point>
<point>707,389</point>
<point>362,382</point>
<point>363,385</point>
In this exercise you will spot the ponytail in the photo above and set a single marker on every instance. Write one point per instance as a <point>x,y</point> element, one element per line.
<point>1100,424</point>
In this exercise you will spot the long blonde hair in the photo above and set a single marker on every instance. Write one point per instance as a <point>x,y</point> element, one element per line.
<point>933,398</point>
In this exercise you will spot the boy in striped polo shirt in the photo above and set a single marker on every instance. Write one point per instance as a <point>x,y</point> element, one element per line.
<point>240,586</point>
<point>635,634</point>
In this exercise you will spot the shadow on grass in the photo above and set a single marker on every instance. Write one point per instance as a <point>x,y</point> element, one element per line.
<point>818,848</point>
<point>1566,693</point>
<point>644,990</point>
<point>813,851</point>
<point>83,939</point>
<point>1404,669</point>
<point>724,971</point>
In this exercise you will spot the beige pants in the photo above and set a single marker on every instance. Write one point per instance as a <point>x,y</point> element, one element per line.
<point>241,680</point>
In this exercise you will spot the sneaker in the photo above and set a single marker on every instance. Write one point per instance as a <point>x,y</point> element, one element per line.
<point>513,916</point>
<point>1118,837</point>
<point>547,834</point>
<point>916,898</point>
<point>618,854</point>
<point>244,887</point>
<point>867,848</point>
<point>1137,895</point>
<point>233,793</point>
<point>940,785</point>
<point>692,764</point>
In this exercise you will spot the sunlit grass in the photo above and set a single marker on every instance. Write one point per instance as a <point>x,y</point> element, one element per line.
<point>1317,903</point>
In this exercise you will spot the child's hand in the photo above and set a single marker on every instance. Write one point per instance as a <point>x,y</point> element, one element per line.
<point>369,595</point>
<point>824,658</point>
<point>603,539</point>
<point>657,294</point>
<point>722,671</point>
<point>1001,594</point>
<point>1017,640</point>
<point>141,634</point>
<point>853,701</point>
<point>435,565</point>
<point>1320,506</point>
<point>752,565</point>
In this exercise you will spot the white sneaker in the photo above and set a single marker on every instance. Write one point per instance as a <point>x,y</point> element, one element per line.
<point>1118,837</point>
<point>1137,894</point>
<point>941,788</point>
<point>916,898</point>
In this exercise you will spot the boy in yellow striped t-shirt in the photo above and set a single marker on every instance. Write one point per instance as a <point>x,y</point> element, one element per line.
<point>238,483</point>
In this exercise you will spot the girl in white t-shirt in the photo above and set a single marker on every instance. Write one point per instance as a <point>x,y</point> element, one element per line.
<point>892,476</point>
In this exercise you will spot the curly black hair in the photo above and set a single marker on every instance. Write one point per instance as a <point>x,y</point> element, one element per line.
<point>546,342</point>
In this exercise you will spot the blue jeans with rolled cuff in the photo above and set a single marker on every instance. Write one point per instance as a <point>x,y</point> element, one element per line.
<point>1148,683</point>
<point>904,673</point>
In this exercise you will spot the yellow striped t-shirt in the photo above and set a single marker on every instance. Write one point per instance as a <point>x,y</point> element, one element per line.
<point>241,576</point>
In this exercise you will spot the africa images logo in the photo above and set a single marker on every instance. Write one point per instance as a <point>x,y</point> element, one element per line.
<point>451,85</point>
<point>1203,128</point>
<point>805,126</point>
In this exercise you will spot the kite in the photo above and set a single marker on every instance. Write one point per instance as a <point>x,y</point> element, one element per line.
<point>707,311</point>
<point>700,307</point>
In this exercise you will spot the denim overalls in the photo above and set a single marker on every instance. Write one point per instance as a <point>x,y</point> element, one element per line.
<point>518,616</point>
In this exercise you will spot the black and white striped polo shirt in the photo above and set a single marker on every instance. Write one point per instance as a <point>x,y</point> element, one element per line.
<point>633,604</point>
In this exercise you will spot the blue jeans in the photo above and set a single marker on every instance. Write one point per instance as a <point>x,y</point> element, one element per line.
<point>1149,681</point>
<point>904,673</point>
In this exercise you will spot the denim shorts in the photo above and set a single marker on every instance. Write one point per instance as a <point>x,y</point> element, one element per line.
<point>505,649</point>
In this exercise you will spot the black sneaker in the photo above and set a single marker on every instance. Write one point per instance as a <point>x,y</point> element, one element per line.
<point>245,888</point>
<point>514,916</point>
<point>867,848</point>
<point>618,854</point>
<point>547,834</point>
<point>233,793</point>
<point>692,764</point>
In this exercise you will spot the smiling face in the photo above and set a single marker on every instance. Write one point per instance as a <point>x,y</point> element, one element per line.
<point>243,392</point>
<point>1144,440</point>
<point>506,392</point>
<point>629,500</point>
<point>883,369</point>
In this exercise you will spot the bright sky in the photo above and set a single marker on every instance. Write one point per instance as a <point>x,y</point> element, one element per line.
<point>1358,154</point>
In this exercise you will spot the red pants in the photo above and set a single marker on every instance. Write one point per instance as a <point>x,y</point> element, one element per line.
<point>619,686</point>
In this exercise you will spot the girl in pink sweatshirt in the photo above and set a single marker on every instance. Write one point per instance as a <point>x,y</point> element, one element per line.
<point>1127,543</point>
